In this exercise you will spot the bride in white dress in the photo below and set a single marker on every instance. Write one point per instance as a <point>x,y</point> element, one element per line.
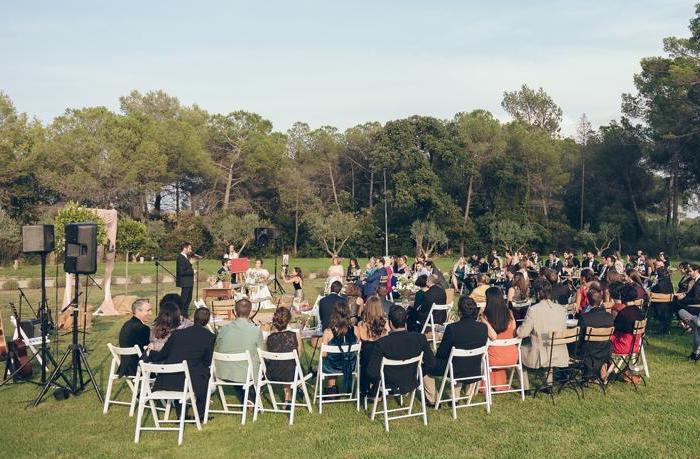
<point>256,280</point>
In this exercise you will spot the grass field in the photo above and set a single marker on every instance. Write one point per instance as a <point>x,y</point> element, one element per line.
<point>660,420</point>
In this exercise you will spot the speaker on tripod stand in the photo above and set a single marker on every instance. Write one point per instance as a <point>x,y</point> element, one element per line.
<point>80,258</point>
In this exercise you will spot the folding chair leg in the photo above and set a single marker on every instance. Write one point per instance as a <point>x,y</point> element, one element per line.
<point>108,394</point>
<point>139,419</point>
<point>222,396</point>
<point>294,400</point>
<point>208,402</point>
<point>154,413</point>
<point>386,411</point>
<point>305,391</point>
<point>258,401</point>
<point>644,360</point>
<point>410,403</point>
<point>454,399</point>
<point>439,396</point>
<point>183,409</point>
<point>246,391</point>
<point>134,392</point>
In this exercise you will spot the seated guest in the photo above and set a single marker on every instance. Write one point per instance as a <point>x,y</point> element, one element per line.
<point>440,278</point>
<point>540,321</point>
<point>501,325</point>
<point>595,354</point>
<point>194,344</point>
<point>386,304</point>
<point>176,299</point>
<point>343,334</point>
<point>684,282</point>
<point>167,321</point>
<point>422,284</point>
<point>223,274</point>
<point>282,340</point>
<point>684,301</point>
<point>134,332</point>
<point>663,285</point>
<point>520,290</point>
<point>400,344</point>
<point>479,293</point>
<point>636,279</point>
<point>459,271</point>
<point>371,283</point>
<point>467,333</point>
<point>237,337</point>
<point>553,262</point>
<point>373,325</point>
<point>587,277</point>
<point>624,322</point>
<point>615,290</point>
<point>354,271</point>
<point>327,304</point>
<point>418,313</point>
<point>354,299</point>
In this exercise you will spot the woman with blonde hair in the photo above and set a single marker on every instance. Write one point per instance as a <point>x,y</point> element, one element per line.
<point>336,272</point>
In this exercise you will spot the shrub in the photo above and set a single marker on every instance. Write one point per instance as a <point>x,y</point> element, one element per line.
<point>322,274</point>
<point>35,282</point>
<point>10,238</point>
<point>11,284</point>
<point>136,279</point>
<point>691,252</point>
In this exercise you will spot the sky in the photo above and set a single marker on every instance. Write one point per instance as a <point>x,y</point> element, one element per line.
<point>336,63</point>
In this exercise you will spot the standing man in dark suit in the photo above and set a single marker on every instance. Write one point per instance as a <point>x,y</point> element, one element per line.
<point>184,276</point>
<point>467,333</point>
<point>134,332</point>
<point>194,344</point>
<point>418,313</point>
<point>590,262</point>
<point>595,354</point>
<point>400,344</point>
<point>327,304</point>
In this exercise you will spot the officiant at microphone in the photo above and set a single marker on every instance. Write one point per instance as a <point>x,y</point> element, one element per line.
<point>184,276</point>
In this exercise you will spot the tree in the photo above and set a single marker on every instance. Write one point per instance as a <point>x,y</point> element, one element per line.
<point>73,212</point>
<point>535,108</point>
<point>602,239</point>
<point>511,235</point>
<point>333,230</point>
<point>584,132</point>
<point>236,230</point>
<point>10,238</point>
<point>132,237</point>
<point>428,236</point>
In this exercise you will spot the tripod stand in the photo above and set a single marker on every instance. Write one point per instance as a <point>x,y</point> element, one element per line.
<point>276,283</point>
<point>78,360</point>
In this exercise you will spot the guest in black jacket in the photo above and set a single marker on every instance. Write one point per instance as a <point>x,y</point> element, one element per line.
<point>467,333</point>
<point>134,332</point>
<point>194,344</point>
<point>663,285</point>
<point>326,305</point>
<point>400,344</point>
<point>595,354</point>
<point>184,277</point>
<point>418,313</point>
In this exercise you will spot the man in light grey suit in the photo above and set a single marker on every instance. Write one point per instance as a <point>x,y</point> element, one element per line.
<point>237,337</point>
<point>542,319</point>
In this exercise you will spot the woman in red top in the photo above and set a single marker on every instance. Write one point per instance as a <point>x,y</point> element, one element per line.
<point>501,325</point>
<point>623,340</point>
<point>582,292</point>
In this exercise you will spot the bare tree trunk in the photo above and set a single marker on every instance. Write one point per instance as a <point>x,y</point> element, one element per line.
<point>335,193</point>
<point>635,209</point>
<point>296,224</point>
<point>468,204</point>
<point>371,187</point>
<point>177,198</point>
<point>583,184</point>
<point>157,202</point>
<point>352,175</point>
<point>227,193</point>
<point>545,208</point>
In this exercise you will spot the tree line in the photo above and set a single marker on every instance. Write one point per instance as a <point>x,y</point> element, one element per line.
<point>463,184</point>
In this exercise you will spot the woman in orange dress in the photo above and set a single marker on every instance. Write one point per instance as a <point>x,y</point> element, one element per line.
<point>501,325</point>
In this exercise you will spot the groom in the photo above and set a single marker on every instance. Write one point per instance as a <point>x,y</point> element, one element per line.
<point>184,276</point>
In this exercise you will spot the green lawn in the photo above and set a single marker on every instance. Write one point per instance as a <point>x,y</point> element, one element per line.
<point>661,420</point>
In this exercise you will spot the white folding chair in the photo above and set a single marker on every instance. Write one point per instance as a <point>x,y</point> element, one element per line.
<point>515,368</point>
<point>185,397</point>
<point>217,384</point>
<point>472,382</point>
<point>299,382</point>
<point>354,394</point>
<point>131,381</point>
<point>435,338</point>
<point>383,390</point>
<point>32,343</point>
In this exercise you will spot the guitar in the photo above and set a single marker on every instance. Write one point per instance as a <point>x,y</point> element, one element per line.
<point>19,351</point>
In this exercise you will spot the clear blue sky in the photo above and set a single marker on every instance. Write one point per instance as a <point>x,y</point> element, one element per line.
<point>331,62</point>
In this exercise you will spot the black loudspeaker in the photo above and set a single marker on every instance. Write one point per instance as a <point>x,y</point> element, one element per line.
<point>264,235</point>
<point>81,248</point>
<point>37,239</point>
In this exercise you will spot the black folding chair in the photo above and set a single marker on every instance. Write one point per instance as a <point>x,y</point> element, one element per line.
<point>562,377</point>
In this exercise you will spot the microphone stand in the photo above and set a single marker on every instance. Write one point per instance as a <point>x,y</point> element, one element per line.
<point>22,295</point>
<point>159,265</point>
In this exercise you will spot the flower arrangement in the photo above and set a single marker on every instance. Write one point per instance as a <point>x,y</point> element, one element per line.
<point>406,284</point>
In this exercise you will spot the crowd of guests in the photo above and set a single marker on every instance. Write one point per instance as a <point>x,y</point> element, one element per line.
<point>359,309</point>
